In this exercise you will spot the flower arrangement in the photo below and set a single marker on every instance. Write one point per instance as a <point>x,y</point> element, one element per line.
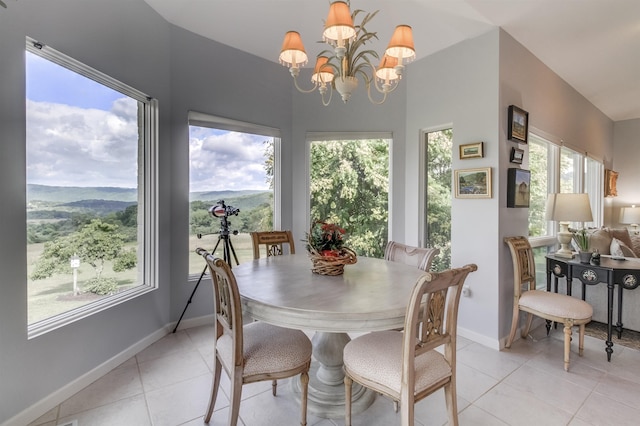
<point>325,244</point>
<point>325,238</point>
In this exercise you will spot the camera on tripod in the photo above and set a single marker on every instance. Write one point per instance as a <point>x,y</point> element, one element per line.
<point>222,210</point>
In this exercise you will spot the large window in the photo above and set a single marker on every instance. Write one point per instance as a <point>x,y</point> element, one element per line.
<point>439,146</point>
<point>558,169</point>
<point>236,163</point>
<point>91,176</point>
<point>349,186</point>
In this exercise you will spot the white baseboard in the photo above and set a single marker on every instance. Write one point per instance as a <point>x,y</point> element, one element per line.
<point>480,338</point>
<point>38,409</point>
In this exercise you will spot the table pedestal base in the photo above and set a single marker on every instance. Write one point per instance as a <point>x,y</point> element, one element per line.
<point>326,380</point>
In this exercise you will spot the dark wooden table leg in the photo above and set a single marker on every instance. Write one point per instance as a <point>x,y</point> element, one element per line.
<point>609,349</point>
<point>619,323</point>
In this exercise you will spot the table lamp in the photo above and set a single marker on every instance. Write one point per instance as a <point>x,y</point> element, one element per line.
<point>564,208</point>
<point>631,216</point>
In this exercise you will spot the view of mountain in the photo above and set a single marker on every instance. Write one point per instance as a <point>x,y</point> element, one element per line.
<point>59,201</point>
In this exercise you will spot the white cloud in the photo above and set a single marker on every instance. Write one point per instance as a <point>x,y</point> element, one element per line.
<point>71,146</point>
<point>227,161</point>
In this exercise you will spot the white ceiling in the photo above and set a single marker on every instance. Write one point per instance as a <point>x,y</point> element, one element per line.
<point>594,45</point>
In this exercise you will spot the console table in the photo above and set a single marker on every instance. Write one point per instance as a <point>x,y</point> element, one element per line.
<point>623,273</point>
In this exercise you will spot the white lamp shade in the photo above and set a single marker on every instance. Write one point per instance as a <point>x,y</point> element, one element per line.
<point>630,215</point>
<point>564,207</point>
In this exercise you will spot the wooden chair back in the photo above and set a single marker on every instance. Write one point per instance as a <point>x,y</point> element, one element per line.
<point>272,241</point>
<point>419,257</point>
<point>226,302</point>
<point>524,266</point>
<point>431,321</point>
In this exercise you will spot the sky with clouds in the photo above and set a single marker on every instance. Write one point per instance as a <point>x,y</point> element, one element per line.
<point>81,133</point>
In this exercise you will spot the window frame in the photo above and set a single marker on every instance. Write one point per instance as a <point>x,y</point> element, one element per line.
<point>201,119</point>
<point>148,128</point>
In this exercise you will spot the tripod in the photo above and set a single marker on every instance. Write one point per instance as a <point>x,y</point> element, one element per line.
<point>227,251</point>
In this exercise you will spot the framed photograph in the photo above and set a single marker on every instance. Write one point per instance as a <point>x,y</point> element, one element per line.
<point>516,155</point>
<point>518,124</point>
<point>472,150</point>
<point>473,183</point>
<point>518,187</point>
<point>610,183</point>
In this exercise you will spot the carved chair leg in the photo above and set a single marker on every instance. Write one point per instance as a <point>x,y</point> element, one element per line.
<point>304,381</point>
<point>581,339</point>
<point>567,344</point>
<point>347,400</point>
<point>514,326</point>
<point>274,387</point>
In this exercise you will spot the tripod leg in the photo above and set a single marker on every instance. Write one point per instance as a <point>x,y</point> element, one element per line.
<point>234,253</point>
<point>204,271</point>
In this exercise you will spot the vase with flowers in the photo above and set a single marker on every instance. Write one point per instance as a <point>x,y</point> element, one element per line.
<point>325,245</point>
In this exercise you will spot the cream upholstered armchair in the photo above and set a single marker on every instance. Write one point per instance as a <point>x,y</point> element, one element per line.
<point>406,366</point>
<point>556,307</point>
<point>419,257</point>
<point>256,352</point>
<point>272,242</point>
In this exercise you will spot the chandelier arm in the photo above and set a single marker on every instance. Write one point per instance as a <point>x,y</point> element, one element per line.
<point>330,96</point>
<point>384,97</point>
<point>295,81</point>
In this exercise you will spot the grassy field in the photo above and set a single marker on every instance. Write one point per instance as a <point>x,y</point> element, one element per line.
<point>54,295</point>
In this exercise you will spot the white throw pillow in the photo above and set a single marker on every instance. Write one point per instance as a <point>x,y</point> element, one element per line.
<point>620,249</point>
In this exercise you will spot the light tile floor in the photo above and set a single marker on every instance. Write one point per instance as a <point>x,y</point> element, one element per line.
<point>168,384</point>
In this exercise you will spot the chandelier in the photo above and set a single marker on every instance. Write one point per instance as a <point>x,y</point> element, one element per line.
<point>340,68</point>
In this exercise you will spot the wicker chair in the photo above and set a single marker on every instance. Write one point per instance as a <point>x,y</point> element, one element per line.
<point>256,352</point>
<point>406,366</point>
<point>272,241</point>
<point>555,307</point>
<point>415,256</point>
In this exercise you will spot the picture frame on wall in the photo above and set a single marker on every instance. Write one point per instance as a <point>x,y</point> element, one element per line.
<point>517,155</point>
<point>518,128</point>
<point>473,183</point>
<point>610,183</point>
<point>518,187</point>
<point>472,150</point>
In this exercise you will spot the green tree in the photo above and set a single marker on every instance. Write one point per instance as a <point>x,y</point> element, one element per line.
<point>438,200</point>
<point>95,244</point>
<point>350,187</point>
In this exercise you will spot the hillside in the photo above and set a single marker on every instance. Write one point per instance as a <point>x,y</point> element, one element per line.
<point>69,194</point>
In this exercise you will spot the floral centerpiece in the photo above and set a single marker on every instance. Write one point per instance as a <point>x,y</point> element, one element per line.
<point>581,239</point>
<point>325,244</point>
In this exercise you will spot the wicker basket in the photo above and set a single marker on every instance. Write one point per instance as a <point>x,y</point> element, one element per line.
<point>331,265</point>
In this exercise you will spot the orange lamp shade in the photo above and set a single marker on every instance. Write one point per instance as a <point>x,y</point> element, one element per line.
<point>322,72</point>
<point>386,70</point>
<point>401,44</point>
<point>292,53</point>
<point>339,24</point>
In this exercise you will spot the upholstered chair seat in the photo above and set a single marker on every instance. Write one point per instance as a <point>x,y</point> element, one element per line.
<point>551,304</point>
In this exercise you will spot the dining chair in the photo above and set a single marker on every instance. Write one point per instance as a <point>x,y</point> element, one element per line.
<point>406,366</point>
<point>272,241</point>
<point>554,307</point>
<point>415,256</point>
<point>254,352</point>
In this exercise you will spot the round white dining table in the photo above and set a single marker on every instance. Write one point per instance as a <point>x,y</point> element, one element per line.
<point>371,295</point>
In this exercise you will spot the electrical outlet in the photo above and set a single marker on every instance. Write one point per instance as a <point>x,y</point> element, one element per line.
<point>466,291</point>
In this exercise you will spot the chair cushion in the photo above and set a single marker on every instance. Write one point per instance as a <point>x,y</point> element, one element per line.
<point>555,304</point>
<point>378,357</point>
<point>268,349</point>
